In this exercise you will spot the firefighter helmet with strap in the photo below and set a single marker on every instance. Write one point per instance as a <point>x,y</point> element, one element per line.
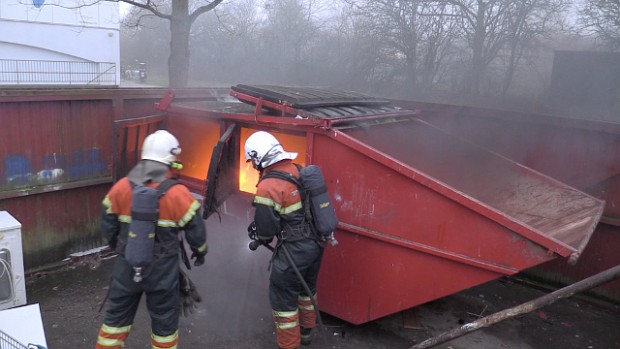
<point>161,146</point>
<point>264,150</point>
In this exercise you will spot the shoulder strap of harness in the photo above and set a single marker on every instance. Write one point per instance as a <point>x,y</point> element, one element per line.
<point>163,187</point>
<point>300,188</point>
<point>287,177</point>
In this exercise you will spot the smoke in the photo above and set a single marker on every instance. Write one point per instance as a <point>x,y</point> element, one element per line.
<point>234,281</point>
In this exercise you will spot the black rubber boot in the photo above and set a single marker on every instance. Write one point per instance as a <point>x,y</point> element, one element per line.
<point>306,336</point>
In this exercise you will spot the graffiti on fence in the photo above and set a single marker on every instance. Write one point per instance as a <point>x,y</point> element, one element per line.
<point>81,164</point>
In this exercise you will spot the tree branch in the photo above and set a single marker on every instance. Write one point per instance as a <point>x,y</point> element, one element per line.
<point>149,6</point>
<point>203,9</point>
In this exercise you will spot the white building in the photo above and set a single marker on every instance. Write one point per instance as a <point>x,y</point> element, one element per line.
<point>58,42</point>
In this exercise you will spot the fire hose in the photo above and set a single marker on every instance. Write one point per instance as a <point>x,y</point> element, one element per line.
<point>255,243</point>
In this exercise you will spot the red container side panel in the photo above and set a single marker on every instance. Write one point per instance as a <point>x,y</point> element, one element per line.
<point>547,208</point>
<point>424,215</point>
<point>403,244</point>
<point>375,199</point>
<point>363,279</point>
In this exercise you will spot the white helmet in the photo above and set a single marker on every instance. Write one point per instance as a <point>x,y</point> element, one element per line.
<point>264,150</point>
<point>161,146</point>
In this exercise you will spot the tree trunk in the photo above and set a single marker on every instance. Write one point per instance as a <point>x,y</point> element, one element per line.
<point>178,62</point>
<point>412,54</point>
<point>478,48</point>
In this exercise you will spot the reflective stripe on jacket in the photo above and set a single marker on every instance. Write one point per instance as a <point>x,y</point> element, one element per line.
<point>178,210</point>
<point>277,202</point>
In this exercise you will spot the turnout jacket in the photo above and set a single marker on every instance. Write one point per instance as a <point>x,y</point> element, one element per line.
<point>277,201</point>
<point>178,210</point>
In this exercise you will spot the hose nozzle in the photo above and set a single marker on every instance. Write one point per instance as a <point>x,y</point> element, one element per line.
<point>254,244</point>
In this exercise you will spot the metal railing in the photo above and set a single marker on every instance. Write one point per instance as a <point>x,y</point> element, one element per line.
<point>37,72</point>
<point>9,342</point>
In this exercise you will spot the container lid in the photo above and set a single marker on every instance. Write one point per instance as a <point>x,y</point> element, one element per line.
<point>308,97</point>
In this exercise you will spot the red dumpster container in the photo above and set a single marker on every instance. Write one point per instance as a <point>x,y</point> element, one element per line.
<point>423,213</point>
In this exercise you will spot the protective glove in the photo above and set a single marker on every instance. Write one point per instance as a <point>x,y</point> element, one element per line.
<point>253,234</point>
<point>199,258</point>
<point>189,295</point>
<point>252,231</point>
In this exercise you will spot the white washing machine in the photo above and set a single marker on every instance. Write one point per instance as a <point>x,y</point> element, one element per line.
<point>12,279</point>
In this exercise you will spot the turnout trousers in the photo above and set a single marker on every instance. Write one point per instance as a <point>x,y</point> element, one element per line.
<point>291,305</point>
<point>161,288</point>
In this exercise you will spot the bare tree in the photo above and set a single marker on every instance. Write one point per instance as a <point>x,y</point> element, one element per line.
<point>181,17</point>
<point>602,18</point>
<point>492,26</point>
<point>148,42</point>
<point>526,26</point>
<point>354,57</point>
<point>438,32</point>
<point>289,29</point>
<point>226,44</point>
<point>417,32</point>
<point>379,46</point>
<point>396,21</point>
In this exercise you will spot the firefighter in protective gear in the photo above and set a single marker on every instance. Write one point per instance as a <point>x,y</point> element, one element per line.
<point>279,213</point>
<point>178,210</point>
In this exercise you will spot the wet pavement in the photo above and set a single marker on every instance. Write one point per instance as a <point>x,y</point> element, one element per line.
<point>235,312</point>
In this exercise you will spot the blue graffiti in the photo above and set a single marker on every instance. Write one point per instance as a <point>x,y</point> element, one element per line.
<point>86,164</point>
<point>83,164</point>
<point>18,169</point>
<point>38,3</point>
